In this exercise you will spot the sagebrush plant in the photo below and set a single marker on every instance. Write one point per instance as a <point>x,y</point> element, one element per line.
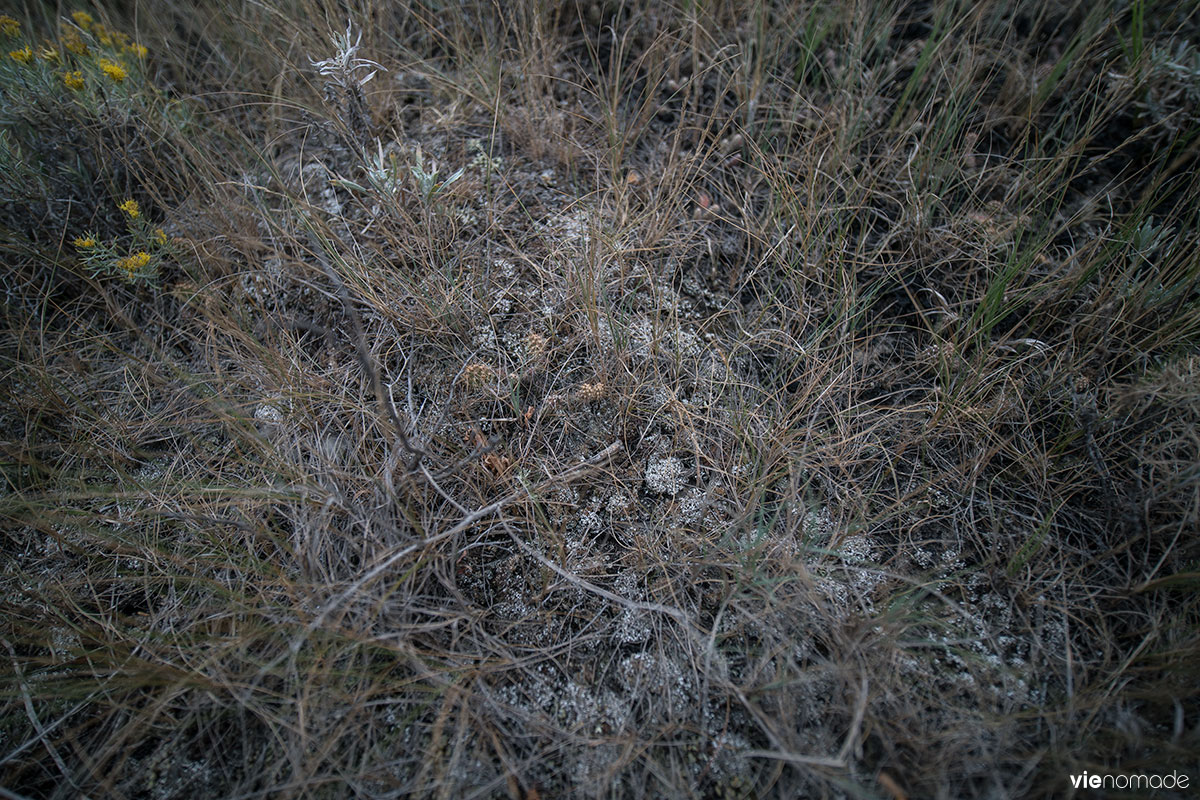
<point>784,399</point>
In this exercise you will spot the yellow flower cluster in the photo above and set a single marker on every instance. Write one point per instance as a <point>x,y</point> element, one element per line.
<point>72,41</point>
<point>84,242</point>
<point>134,262</point>
<point>73,80</point>
<point>113,70</point>
<point>130,207</point>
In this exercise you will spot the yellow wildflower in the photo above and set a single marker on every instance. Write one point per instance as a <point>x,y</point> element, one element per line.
<point>113,70</point>
<point>9,26</point>
<point>73,80</point>
<point>82,19</point>
<point>50,53</point>
<point>84,242</point>
<point>160,236</point>
<point>22,56</point>
<point>130,207</point>
<point>75,44</point>
<point>119,39</point>
<point>102,33</point>
<point>137,49</point>
<point>134,262</point>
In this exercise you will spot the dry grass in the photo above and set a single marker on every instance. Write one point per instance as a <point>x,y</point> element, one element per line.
<point>785,400</point>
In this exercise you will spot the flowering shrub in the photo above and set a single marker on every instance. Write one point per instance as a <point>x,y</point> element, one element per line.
<point>83,129</point>
<point>134,257</point>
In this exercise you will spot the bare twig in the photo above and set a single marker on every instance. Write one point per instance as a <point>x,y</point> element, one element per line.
<point>364,357</point>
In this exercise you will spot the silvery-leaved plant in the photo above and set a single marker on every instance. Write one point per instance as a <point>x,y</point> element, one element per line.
<point>385,177</point>
<point>345,81</point>
<point>383,171</point>
<point>345,63</point>
<point>428,186</point>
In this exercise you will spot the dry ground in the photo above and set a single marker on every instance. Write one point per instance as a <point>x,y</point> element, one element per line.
<point>784,400</point>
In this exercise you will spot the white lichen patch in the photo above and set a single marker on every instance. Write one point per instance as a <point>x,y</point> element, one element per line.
<point>268,413</point>
<point>64,642</point>
<point>505,268</point>
<point>569,227</point>
<point>583,557</point>
<point>590,519</point>
<point>660,397</point>
<point>665,476</point>
<point>858,549</point>
<point>819,525</point>
<point>152,470</point>
<point>271,412</point>
<point>483,337</point>
<point>564,501</point>
<point>618,505</point>
<point>648,675</point>
<point>686,343</point>
<point>566,702</point>
<point>633,627</point>
<point>628,585</point>
<point>692,505</point>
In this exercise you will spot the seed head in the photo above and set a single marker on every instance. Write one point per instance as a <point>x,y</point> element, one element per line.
<point>535,345</point>
<point>591,392</point>
<point>477,374</point>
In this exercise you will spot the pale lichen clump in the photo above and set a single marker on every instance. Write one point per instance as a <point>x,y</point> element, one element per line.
<point>665,476</point>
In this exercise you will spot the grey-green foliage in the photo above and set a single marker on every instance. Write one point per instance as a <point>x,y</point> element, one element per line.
<point>1170,97</point>
<point>82,127</point>
<point>428,185</point>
